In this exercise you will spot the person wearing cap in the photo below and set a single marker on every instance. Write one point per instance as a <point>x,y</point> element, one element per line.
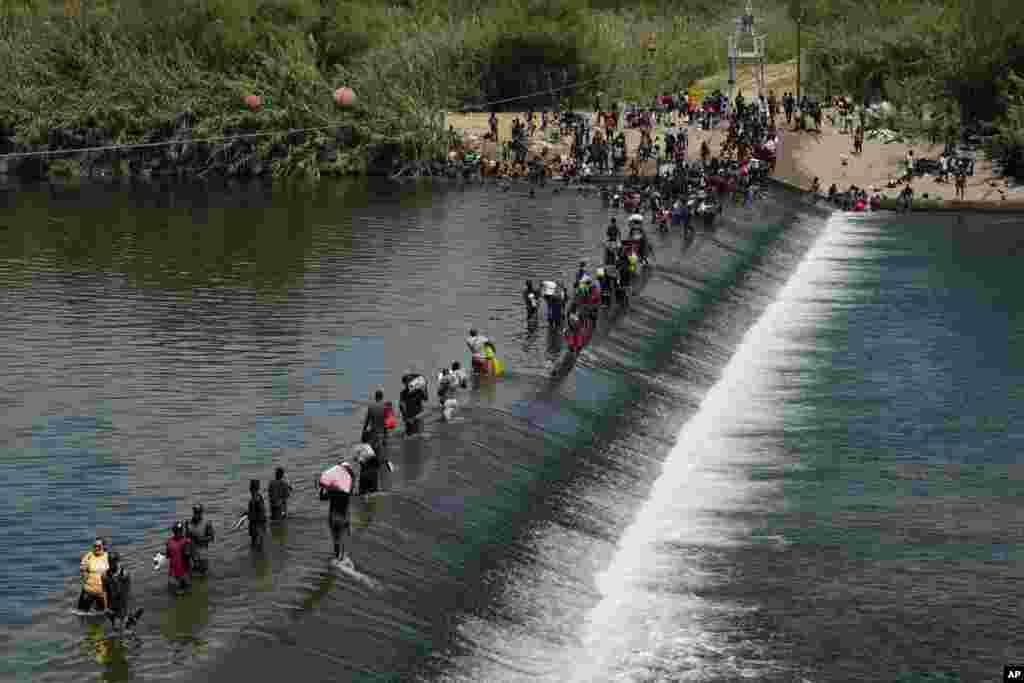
<point>257,515</point>
<point>179,559</point>
<point>117,586</point>
<point>93,566</point>
<point>200,533</point>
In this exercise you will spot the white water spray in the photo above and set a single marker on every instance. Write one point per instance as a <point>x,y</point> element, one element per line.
<point>631,627</point>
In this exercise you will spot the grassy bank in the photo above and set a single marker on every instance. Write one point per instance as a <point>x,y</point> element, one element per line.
<point>77,72</point>
<point>113,71</point>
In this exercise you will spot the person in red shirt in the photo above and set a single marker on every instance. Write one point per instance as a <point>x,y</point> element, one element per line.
<point>179,559</point>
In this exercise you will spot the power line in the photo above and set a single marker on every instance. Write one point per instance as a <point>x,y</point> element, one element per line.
<point>165,143</point>
<point>549,91</point>
<point>242,136</point>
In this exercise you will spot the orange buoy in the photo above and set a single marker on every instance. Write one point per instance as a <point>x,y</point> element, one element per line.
<point>344,97</point>
<point>253,102</point>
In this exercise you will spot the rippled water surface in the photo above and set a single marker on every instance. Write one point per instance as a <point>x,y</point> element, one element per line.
<point>793,458</point>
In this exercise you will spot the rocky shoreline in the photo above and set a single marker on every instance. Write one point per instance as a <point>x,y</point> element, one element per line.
<point>175,151</point>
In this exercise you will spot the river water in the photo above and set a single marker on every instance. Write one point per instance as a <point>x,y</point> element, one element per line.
<point>792,459</point>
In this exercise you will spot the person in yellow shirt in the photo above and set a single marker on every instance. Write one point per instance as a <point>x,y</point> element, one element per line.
<point>94,565</point>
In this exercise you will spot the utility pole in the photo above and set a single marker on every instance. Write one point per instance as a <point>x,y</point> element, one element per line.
<point>799,57</point>
<point>746,46</point>
<point>798,13</point>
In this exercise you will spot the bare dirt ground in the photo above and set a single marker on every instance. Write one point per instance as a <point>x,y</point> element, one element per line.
<point>826,154</point>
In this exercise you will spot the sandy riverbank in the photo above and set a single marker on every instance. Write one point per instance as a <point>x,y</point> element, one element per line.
<point>804,155</point>
<point>828,155</point>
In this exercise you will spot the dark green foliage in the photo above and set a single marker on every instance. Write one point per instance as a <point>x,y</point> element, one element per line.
<point>132,67</point>
<point>945,65</point>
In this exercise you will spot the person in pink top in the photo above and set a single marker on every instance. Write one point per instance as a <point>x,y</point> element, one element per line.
<point>179,559</point>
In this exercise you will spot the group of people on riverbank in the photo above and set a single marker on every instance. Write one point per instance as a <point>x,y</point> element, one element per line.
<point>852,199</point>
<point>598,142</point>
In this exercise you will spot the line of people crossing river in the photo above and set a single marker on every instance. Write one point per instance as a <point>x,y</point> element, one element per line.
<point>106,584</point>
<point>694,192</point>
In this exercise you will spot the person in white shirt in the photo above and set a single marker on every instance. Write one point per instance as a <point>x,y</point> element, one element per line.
<point>449,381</point>
<point>477,344</point>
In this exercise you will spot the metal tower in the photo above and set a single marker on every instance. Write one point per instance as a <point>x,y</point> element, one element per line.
<point>747,47</point>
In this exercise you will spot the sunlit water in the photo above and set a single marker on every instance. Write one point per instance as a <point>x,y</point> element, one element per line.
<point>792,459</point>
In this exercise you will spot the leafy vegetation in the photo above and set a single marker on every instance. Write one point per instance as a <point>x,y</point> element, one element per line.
<point>945,65</point>
<point>134,67</point>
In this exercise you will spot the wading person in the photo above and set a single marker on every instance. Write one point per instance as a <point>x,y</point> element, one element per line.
<point>531,299</point>
<point>279,491</point>
<point>179,559</point>
<point>200,533</point>
<point>553,299</point>
<point>448,382</point>
<point>117,585</point>
<point>411,401</point>
<point>375,430</point>
<point>257,514</point>
<point>336,487</point>
<point>93,566</point>
<point>369,469</point>
<point>477,344</point>
<point>906,199</point>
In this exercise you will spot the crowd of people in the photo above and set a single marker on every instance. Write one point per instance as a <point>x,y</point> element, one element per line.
<point>597,141</point>
<point>574,311</point>
<point>598,145</point>
<point>105,584</point>
<point>694,189</point>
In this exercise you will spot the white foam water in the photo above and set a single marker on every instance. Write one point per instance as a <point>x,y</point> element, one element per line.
<point>585,610</point>
<point>638,631</point>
